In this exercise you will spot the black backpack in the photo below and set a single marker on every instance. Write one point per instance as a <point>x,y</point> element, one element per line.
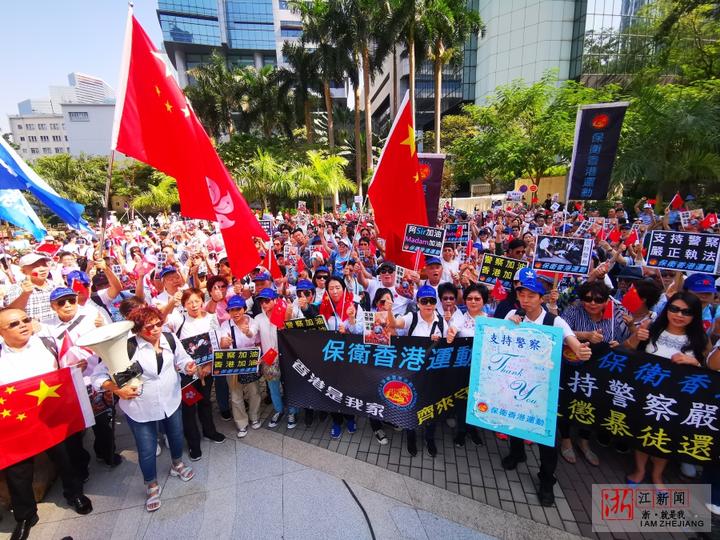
<point>132,344</point>
<point>439,323</point>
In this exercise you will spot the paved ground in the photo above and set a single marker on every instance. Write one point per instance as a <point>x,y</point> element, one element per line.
<point>290,484</point>
<point>270,486</point>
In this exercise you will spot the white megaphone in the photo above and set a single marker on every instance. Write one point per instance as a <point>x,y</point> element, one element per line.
<point>109,342</point>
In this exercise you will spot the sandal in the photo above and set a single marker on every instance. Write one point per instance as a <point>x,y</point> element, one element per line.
<point>590,456</point>
<point>568,455</point>
<point>153,501</point>
<point>185,472</point>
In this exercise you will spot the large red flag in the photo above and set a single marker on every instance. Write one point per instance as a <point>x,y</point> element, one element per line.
<point>396,191</point>
<point>155,124</point>
<point>40,412</point>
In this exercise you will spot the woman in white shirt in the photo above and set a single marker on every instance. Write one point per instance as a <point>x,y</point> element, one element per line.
<point>194,323</point>
<point>241,332</point>
<point>678,335</point>
<point>158,400</point>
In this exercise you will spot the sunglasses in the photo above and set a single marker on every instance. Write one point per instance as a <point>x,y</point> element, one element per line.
<point>62,301</point>
<point>385,271</point>
<point>672,308</point>
<point>149,327</point>
<point>304,293</point>
<point>323,277</point>
<point>595,299</point>
<point>15,324</point>
<point>427,301</point>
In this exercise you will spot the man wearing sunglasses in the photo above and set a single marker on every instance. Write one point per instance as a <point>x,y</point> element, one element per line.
<point>386,279</point>
<point>22,356</point>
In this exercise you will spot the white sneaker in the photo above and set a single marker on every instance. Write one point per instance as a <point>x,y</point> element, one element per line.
<point>257,424</point>
<point>242,432</point>
<point>688,470</point>
<point>714,508</point>
<point>381,437</point>
<point>158,450</point>
<point>291,421</point>
<point>275,419</point>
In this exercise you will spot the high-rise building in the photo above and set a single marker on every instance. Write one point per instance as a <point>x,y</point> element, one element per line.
<point>583,40</point>
<point>246,32</point>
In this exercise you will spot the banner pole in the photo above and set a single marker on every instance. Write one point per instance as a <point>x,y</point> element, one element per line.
<point>106,203</point>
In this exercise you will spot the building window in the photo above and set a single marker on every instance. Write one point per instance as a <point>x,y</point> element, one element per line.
<point>44,138</point>
<point>30,127</point>
<point>79,116</point>
<point>34,150</point>
<point>19,126</point>
<point>22,139</point>
<point>59,150</point>
<point>46,150</point>
<point>42,126</point>
<point>54,126</point>
<point>32,138</point>
<point>284,4</point>
<point>291,32</point>
<point>66,138</point>
<point>57,138</point>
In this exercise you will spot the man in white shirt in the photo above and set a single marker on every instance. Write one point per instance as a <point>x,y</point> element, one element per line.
<point>386,279</point>
<point>450,264</point>
<point>23,356</point>
<point>529,295</point>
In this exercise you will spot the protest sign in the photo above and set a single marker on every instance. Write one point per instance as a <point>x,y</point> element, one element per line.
<point>597,131</point>
<point>494,267</point>
<point>555,206</point>
<point>199,348</point>
<point>692,251</point>
<point>563,254</point>
<point>427,240</point>
<point>430,171</point>
<point>457,233</point>
<point>514,195</point>
<point>310,323</point>
<point>267,226</point>
<point>408,383</point>
<point>687,215</point>
<point>662,408</point>
<point>236,361</point>
<point>375,329</point>
<point>301,206</point>
<point>514,379</point>
<point>357,199</point>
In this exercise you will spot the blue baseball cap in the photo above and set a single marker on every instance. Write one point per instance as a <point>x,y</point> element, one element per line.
<point>236,302</point>
<point>700,283</point>
<point>166,271</point>
<point>262,276</point>
<point>532,284</point>
<point>267,293</point>
<point>322,269</point>
<point>524,273</point>
<point>61,292</point>
<point>432,260</point>
<point>304,285</point>
<point>77,275</point>
<point>426,291</point>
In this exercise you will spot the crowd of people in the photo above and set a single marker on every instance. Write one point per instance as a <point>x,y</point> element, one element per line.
<point>171,278</point>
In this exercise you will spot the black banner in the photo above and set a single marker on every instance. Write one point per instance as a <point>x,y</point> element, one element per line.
<point>431,171</point>
<point>664,409</point>
<point>494,267</point>
<point>428,240</point>
<point>683,251</point>
<point>597,131</point>
<point>410,382</point>
<point>236,361</point>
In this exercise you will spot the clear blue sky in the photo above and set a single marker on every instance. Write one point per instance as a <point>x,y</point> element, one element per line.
<point>44,40</point>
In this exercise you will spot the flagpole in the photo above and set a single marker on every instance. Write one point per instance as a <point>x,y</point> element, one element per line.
<point>106,202</point>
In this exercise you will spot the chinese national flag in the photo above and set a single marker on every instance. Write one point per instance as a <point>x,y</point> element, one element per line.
<point>631,300</point>
<point>277,315</point>
<point>40,412</point>
<point>676,202</point>
<point>396,191</point>
<point>614,235</point>
<point>632,238</point>
<point>273,266</point>
<point>155,124</point>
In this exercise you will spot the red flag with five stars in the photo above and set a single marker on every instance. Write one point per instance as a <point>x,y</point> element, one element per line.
<point>155,124</point>
<point>396,191</point>
<point>40,412</point>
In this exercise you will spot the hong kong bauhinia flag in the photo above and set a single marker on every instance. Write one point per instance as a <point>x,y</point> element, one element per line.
<point>396,191</point>
<point>40,412</point>
<point>156,124</point>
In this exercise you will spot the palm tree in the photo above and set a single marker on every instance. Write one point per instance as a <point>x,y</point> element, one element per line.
<point>214,94</point>
<point>262,173</point>
<point>301,79</point>
<point>328,173</point>
<point>265,101</point>
<point>160,196</point>
<point>447,25</point>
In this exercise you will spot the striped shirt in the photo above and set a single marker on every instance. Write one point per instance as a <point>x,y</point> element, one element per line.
<point>612,329</point>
